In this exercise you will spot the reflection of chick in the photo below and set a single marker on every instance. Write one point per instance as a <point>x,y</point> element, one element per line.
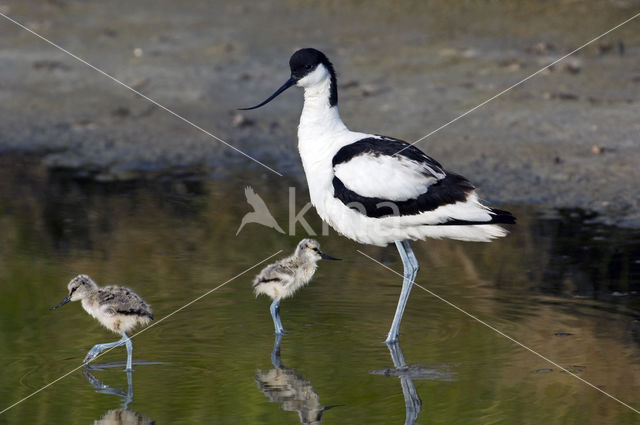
<point>123,417</point>
<point>294,392</point>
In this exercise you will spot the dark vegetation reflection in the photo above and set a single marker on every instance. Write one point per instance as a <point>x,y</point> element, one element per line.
<point>295,393</point>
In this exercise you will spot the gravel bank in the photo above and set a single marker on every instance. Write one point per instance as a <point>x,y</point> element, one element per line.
<point>568,137</point>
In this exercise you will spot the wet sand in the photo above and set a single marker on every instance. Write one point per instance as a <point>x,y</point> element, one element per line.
<point>566,138</point>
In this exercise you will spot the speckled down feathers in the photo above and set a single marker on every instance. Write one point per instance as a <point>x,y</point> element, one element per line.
<point>117,308</point>
<point>284,277</point>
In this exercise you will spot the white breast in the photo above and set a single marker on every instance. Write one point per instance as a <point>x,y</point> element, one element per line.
<point>317,151</point>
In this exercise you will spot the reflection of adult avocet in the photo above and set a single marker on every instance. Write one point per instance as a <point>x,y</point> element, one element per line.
<point>407,373</point>
<point>345,167</point>
<point>293,391</point>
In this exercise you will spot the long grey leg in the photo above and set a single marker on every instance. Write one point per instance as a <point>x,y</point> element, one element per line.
<point>99,348</point>
<point>275,313</point>
<point>410,263</point>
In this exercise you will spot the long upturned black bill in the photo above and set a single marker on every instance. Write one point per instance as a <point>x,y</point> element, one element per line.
<point>328,257</point>
<point>63,302</point>
<point>290,82</point>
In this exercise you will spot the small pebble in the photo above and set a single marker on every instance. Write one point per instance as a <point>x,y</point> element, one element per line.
<point>573,66</point>
<point>121,112</point>
<point>560,96</point>
<point>540,48</point>
<point>240,120</point>
<point>574,369</point>
<point>137,52</point>
<point>349,85</point>
<point>110,32</point>
<point>604,48</point>
<point>513,66</point>
<point>369,90</point>
<point>139,83</point>
<point>49,65</point>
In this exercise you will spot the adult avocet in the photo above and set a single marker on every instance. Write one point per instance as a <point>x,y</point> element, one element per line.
<point>376,189</point>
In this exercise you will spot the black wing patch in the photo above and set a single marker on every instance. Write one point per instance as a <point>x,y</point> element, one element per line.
<point>267,280</point>
<point>272,279</point>
<point>135,312</point>
<point>103,297</point>
<point>498,217</point>
<point>386,146</point>
<point>448,190</point>
<point>453,188</point>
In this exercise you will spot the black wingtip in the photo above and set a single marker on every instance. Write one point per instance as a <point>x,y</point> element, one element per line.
<point>497,217</point>
<point>502,217</point>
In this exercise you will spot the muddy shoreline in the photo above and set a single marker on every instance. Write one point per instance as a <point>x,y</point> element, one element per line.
<point>567,138</point>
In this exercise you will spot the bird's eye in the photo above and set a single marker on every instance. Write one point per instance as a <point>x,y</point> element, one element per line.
<point>308,67</point>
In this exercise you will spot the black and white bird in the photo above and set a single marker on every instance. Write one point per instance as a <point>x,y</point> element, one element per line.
<point>377,189</point>
<point>117,308</point>
<point>283,278</point>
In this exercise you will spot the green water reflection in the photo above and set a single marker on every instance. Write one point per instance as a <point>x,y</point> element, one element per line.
<point>557,284</point>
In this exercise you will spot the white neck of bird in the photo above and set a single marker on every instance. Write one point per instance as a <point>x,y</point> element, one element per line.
<point>317,114</point>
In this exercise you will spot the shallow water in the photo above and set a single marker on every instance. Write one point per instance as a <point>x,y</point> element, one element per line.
<point>558,284</point>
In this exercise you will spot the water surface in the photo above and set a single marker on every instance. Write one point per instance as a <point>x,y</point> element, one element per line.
<point>558,284</point>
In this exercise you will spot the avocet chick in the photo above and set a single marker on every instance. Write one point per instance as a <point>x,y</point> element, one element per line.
<point>117,308</point>
<point>284,277</point>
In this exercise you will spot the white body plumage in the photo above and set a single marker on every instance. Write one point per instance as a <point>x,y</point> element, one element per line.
<point>321,134</point>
